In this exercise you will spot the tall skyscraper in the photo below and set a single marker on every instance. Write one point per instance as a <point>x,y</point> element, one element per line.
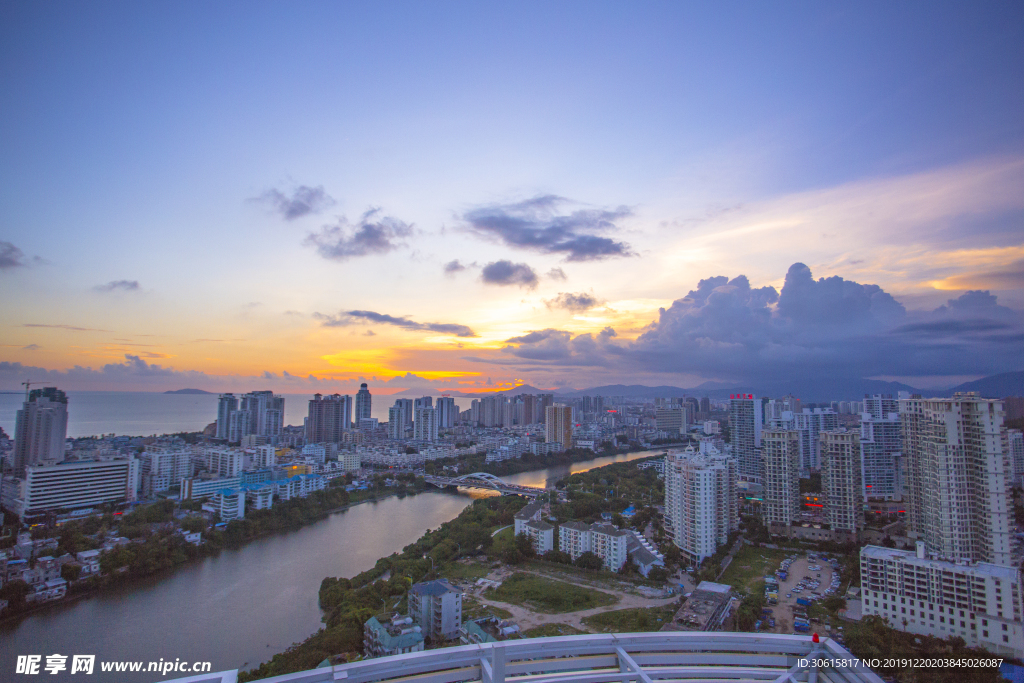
<point>745,435</point>
<point>841,482</point>
<point>226,405</point>
<point>329,418</point>
<point>881,447</point>
<point>425,402</point>
<point>364,402</point>
<point>424,428</point>
<point>700,501</point>
<point>40,428</point>
<point>811,423</point>
<point>447,412</point>
<point>542,403</point>
<point>781,451</point>
<point>558,425</point>
<point>958,477</point>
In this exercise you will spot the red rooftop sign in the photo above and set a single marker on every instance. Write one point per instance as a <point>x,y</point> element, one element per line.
<point>750,396</point>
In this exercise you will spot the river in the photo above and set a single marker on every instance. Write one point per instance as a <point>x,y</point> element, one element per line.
<point>241,607</point>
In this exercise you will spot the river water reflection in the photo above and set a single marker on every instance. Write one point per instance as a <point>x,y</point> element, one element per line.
<point>241,607</point>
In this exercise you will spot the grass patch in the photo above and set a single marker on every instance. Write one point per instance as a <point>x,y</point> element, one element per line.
<point>630,620</point>
<point>547,630</point>
<point>547,595</point>
<point>474,609</point>
<point>465,571</point>
<point>752,564</point>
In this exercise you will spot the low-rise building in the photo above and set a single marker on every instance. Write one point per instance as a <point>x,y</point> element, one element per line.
<point>610,544</point>
<point>980,603</point>
<point>436,606</point>
<point>574,538</point>
<point>230,504</point>
<point>489,629</point>
<point>395,636</point>
<point>705,609</point>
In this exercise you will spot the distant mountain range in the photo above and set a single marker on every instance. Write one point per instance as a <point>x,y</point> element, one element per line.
<point>818,390</point>
<point>188,391</point>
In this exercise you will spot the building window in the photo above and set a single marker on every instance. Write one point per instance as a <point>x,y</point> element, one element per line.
<point>1004,627</point>
<point>1006,639</point>
<point>984,634</point>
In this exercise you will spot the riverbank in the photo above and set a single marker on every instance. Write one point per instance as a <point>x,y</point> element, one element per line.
<point>126,583</point>
<point>473,536</point>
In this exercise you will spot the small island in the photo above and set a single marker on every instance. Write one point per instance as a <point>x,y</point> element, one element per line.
<point>188,391</point>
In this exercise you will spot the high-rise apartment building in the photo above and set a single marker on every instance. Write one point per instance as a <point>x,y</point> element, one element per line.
<point>329,418</point>
<point>701,503</point>
<point>364,401</point>
<point>1015,446</point>
<point>400,418</point>
<point>980,603</point>
<point>163,467</point>
<point>841,482</point>
<point>781,506</point>
<point>558,425</point>
<point>778,412</point>
<point>671,420</point>
<point>881,447</point>
<point>745,416</point>
<point>227,404</point>
<point>40,428</point>
<point>958,477</point>
<point>424,427</point>
<point>810,423</point>
<point>447,412</point>
<point>259,412</point>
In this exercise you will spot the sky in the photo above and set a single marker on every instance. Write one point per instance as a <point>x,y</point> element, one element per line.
<point>470,196</point>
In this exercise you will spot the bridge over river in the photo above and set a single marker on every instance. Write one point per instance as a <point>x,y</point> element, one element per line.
<point>484,480</point>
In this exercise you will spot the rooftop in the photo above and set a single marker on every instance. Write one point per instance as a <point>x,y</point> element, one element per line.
<point>678,655</point>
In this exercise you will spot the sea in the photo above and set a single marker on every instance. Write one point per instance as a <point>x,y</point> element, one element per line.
<point>140,413</point>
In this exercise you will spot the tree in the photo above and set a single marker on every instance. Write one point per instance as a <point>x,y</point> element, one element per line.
<point>14,593</point>
<point>70,572</point>
<point>672,555</point>
<point>658,574</point>
<point>589,560</point>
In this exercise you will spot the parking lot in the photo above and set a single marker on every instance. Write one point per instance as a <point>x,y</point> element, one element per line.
<point>798,571</point>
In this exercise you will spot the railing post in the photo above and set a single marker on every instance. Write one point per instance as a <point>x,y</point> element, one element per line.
<point>498,664</point>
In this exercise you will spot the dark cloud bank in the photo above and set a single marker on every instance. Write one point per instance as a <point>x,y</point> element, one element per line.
<point>829,327</point>
<point>353,317</point>
<point>371,235</point>
<point>506,273</point>
<point>539,224</point>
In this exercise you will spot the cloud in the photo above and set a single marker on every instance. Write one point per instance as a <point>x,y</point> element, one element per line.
<point>812,328</point>
<point>118,285</point>
<point>453,267</point>
<point>577,303</point>
<point>350,317</point>
<point>536,224</point>
<point>508,273</point>
<point>72,328</point>
<point>11,256</point>
<point>305,200</point>
<point>31,347</point>
<point>369,236</point>
<point>557,274</point>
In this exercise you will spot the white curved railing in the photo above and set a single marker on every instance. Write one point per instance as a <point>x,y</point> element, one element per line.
<point>606,658</point>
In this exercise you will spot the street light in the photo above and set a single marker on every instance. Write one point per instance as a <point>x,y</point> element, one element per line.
<point>428,557</point>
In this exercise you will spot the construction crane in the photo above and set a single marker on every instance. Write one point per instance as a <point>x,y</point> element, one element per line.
<point>27,384</point>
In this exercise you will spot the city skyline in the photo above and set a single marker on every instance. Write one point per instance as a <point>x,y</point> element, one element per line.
<point>650,198</point>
